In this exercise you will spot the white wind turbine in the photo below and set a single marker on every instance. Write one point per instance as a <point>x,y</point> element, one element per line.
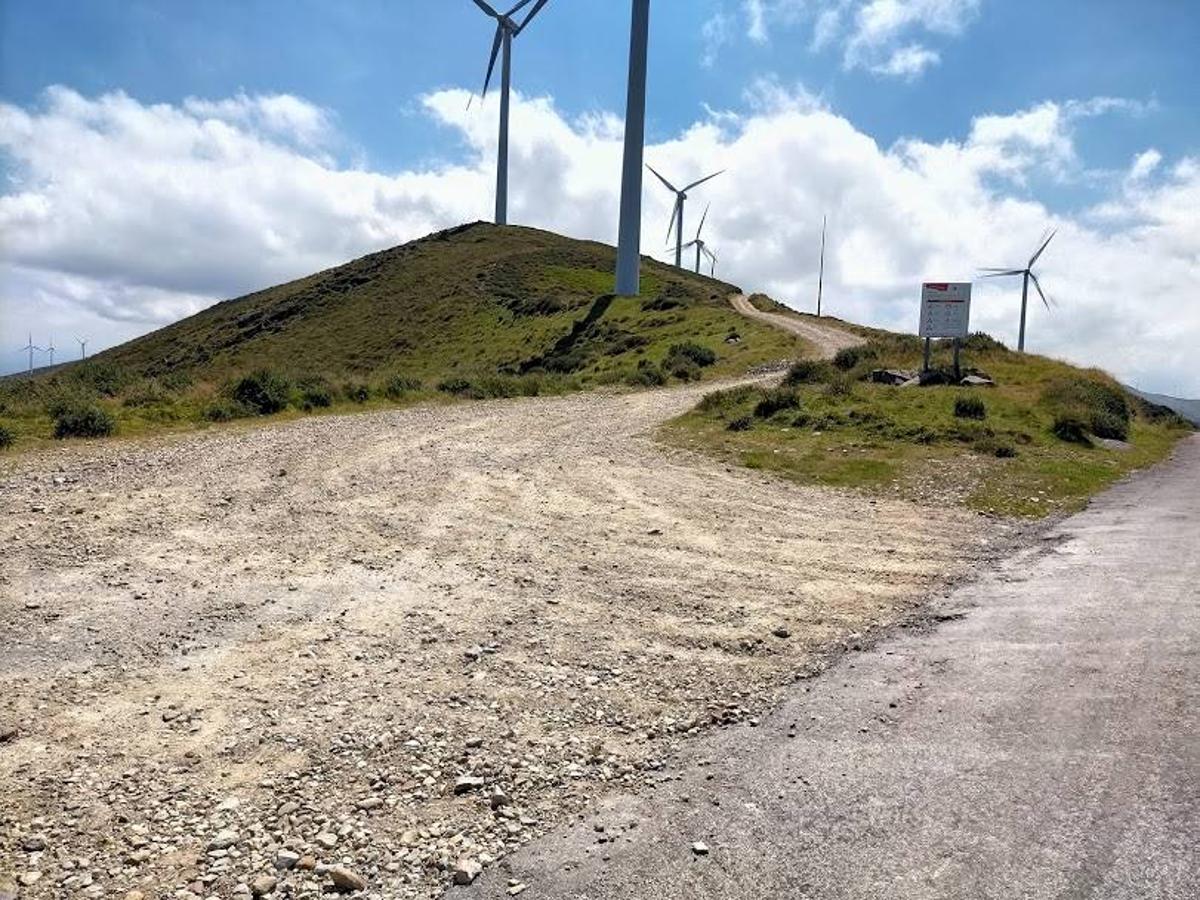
<point>677,213</point>
<point>30,346</point>
<point>700,244</point>
<point>1027,276</point>
<point>82,342</point>
<point>629,229</point>
<point>50,350</point>
<point>506,30</point>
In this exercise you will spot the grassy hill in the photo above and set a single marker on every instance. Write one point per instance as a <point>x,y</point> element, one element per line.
<point>1040,440</point>
<point>1188,409</point>
<point>475,311</point>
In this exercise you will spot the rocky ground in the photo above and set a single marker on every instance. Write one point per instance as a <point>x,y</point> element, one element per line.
<point>374,654</point>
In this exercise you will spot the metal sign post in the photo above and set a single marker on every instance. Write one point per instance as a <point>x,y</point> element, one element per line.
<point>945,313</point>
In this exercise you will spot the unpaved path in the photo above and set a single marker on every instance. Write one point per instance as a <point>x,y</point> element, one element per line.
<point>828,339</point>
<point>303,634</point>
<point>1042,742</point>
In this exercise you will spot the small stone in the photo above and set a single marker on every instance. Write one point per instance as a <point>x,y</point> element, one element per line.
<point>223,840</point>
<point>700,848</point>
<point>516,889</point>
<point>135,895</point>
<point>466,870</point>
<point>286,859</point>
<point>467,783</point>
<point>31,878</point>
<point>782,632</point>
<point>263,885</point>
<point>370,803</point>
<point>327,839</point>
<point>8,733</point>
<point>34,843</point>
<point>307,863</point>
<point>500,799</point>
<point>346,880</point>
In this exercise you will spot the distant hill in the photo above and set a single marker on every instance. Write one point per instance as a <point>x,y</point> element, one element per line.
<point>1189,409</point>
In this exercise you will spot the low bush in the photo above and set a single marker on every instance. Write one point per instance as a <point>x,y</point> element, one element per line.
<point>776,401</point>
<point>646,375</point>
<point>148,393</point>
<point>264,392</point>
<point>457,386</point>
<point>1069,427</point>
<point>728,400</point>
<point>850,357</point>
<point>397,386</point>
<point>809,371</point>
<point>741,423</point>
<point>1097,406</point>
<point>101,377</point>
<point>1106,425</point>
<point>683,368</point>
<point>356,391</point>
<point>225,411</point>
<point>979,342</point>
<point>840,386</point>
<point>990,445</point>
<point>701,356</point>
<point>314,393</point>
<point>969,407</point>
<point>83,421</point>
<point>7,438</point>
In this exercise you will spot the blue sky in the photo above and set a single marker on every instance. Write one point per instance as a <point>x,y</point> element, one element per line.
<point>1113,81</point>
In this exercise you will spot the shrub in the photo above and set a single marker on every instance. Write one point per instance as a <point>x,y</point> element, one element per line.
<point>356,391</point>
<point>991,446</point>
<point>683,368</point>
<point>225,411</point>
<point>264,392</point>
<point>7,438</point>
<point>146,394</point>
<point>968,407</point>
<point>83,421</point>
<point>775,401</point>
<point>102,377</point>
<point>840,385</point>
<point>982,343</point>
<point>315,393</point>
<point>458,386</point>
<point>647,375</point>
<point>809,371</point>
<point>701,356</point>
<point>1106,425</point>
<point>399,385</point>
<point>727,400</point>
<point>849,357</point>
<point>1100,407</point>
<point>741,423</point>
<point>1071,428</point>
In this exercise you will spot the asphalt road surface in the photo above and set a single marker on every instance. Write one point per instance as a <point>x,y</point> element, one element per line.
<point>1038,739</point>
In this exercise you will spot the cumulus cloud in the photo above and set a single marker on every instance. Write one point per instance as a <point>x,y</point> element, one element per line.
<point>120,216</point>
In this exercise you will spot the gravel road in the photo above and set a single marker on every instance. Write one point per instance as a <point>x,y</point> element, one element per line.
<point>1041,741</point>
<point>828,339</point>
<point>401,643</point>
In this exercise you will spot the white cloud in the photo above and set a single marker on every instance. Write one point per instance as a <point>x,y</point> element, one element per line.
<point>715,33</point>
<point>121,216</point>
<point>1144,164</point>
<point>907,62</point>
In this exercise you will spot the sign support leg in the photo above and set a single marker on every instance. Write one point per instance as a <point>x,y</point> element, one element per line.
<point>957,368</point>
<point>925,365</point>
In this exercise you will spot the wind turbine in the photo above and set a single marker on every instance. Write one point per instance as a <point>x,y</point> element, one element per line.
<point>677,213</point>
<point>50,350</point>
<point>629,237</point>
<point>82,347</point>
<point>1027,276</point>
<point>30,346</point>
<point>506,30</point>
<point>821,271</point>
<point>699,243</point>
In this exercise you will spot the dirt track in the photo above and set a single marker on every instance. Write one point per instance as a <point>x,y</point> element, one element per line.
<point>828,339</point>
<point>303,634</point>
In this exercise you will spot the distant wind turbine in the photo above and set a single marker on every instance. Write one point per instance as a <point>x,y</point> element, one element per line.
<point>821,271</point>
<point>677,213</point>
<point>50,350</point>
<point>82,347</point>
<point>506,30</point>
<point>1027,276</point>
<point>629,229</point>
<point>699,243</point>
<point>30,346</point>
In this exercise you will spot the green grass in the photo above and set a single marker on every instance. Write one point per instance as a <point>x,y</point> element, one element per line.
<point>511,311</point>
<point>838,428</point>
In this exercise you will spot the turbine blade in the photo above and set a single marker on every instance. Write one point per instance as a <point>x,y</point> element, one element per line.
<point>670,186</point>
<point>702,180</point>
<point>487,9</point>
<point>1042,249</point>
<point>690,244</point>
<point>1037,284</point>
<point>1001,273</point>
<point>702,220</point>
<point>533,12</point>
<point>674,216</point>
<point>492,62</point>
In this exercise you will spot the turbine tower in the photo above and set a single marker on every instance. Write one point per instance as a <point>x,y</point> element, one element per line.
<point>1027,276</point>
<point>82,342</point>
<point>629,238</point>
<point>50,350</point>
<point>506,30</point>
<point>677,214</point>
<point>700,244</point>
<point>821,270</point>
<point>30,346</point>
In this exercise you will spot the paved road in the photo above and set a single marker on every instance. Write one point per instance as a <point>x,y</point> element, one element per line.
<point>1041,741</point>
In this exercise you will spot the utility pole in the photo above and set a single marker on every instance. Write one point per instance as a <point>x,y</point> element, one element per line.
<point>821,273</point>
<point>629,241</point>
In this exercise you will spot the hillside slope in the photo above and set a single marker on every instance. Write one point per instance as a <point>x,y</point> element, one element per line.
<point>475,311</point>
<point>1189,409</point>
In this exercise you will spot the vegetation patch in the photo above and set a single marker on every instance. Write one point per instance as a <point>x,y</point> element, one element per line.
<point>83,420</point>
<point>7,437</point>
<point>1028,450</point>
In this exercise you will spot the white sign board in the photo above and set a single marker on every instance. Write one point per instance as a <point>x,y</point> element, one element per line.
<point>945,310</point>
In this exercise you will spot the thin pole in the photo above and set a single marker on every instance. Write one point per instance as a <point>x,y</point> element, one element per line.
<point>502,158</point>
<point>1024,304</point>
<point>629,241</point>
<point>925,365</point>
<point>821,274</point>
<point>679,234</point>
<point>699,248</point>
